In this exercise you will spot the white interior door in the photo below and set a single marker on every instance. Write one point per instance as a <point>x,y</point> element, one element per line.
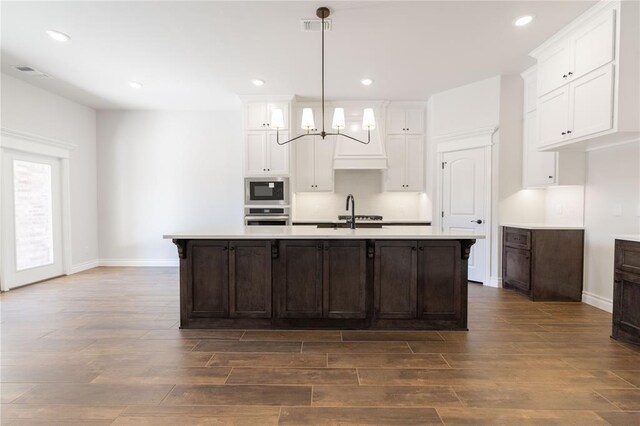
<point>31,219</point>
<point>464,184</point>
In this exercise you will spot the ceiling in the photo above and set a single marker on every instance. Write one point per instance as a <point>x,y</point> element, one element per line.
<point>201,55</point>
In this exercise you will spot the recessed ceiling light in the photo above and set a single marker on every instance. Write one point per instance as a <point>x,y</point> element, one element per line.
<point>257,82</point>
<point>366,81</point>
<point>58,36</point>
<point>135,84</point>
<point>523,20</point>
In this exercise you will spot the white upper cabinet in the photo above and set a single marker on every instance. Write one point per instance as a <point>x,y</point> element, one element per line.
<point>314,164</point>
<point>405,120</point>
<point>588,80</point>
<point>553,66</point>
<point>591,103</point>
<point>405,155</point>
<point>540,169</point>
<point>592,45</point>
<point>258,114</point>
<point>263,155</point>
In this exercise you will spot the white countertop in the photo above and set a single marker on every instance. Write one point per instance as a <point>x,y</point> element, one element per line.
<point>628,237</point>
<point>305,232</point>
<point>539,226</point>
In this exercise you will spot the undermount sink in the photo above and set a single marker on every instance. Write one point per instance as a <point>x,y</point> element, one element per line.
<point>346,225</point>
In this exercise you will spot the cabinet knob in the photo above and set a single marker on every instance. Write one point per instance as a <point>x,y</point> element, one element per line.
<point>564,76</point>
<point>564,133</point>
<point>568,131</point>
<point>232,248</point>
<point>569,73</point>
<point>550,177</point>
<point>413,248</point>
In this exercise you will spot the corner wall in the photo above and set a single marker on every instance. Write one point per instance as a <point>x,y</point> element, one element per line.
<point>29,109</point>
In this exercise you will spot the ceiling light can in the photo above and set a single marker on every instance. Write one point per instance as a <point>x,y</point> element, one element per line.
<point>58,36</point>
<point>135,84</point>
<point>366,82</point>
<point>521,21</point>
<point>257,82</point>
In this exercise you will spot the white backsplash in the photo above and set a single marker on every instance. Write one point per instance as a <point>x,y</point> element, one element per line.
<point>366,187</point>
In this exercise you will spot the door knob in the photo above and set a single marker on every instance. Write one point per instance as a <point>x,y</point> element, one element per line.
<point>478,221</point>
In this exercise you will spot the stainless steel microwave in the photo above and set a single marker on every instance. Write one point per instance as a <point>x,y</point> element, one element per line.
<point>266,190</point>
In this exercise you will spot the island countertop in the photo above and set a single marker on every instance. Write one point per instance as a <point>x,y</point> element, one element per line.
<point>305,232</point>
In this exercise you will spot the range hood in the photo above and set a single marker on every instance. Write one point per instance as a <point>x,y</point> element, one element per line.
<point>351,155</point>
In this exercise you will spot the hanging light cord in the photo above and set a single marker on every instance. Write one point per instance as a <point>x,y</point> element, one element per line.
<point>323,13</point>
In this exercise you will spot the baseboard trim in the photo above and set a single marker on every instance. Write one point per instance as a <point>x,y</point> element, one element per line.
<point>140,262</point>
<point>494,282</point>
<point>597,301</point>
<point>89,264</point>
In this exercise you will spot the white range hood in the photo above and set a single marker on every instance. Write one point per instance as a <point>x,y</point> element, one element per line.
<point>351,155</point>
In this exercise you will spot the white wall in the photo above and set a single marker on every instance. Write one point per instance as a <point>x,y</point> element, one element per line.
<point>612,206</point>
<point>161,172</point>
<point>30,109</point>
<point>564,205</point>
<point>366,186</point>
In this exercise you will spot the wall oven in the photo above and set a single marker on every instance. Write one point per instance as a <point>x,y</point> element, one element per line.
<point>266,216</point>
<point>266,191</point>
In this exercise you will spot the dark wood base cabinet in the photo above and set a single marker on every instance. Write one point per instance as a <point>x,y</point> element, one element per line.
<point>544,264</point>
<point>626,292</point>
<point>351,284</point>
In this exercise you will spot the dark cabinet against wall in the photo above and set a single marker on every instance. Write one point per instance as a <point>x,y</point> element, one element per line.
<point>626,292</point>
<point>545,264</point>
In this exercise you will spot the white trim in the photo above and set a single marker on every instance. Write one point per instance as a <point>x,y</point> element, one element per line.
<point>467,134</point>
<point>140,262</point>
<point>494,282</point>
<point>65,204</point>
<point>90,264</point>
<point>34,144</point>
<point>597,301</point>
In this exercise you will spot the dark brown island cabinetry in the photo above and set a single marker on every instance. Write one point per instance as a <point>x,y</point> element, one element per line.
<point>545,264</point>
<point>329,283</point>
<point>626,292</point>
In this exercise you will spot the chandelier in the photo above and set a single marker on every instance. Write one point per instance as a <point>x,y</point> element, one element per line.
<point>338,122</point>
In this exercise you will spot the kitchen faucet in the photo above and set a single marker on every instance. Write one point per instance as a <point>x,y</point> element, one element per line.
<point>353,210</point>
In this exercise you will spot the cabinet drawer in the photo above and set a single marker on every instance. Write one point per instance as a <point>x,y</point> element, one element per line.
<point>517,268</point>
<point>517,238</point>
<point>627,256</point>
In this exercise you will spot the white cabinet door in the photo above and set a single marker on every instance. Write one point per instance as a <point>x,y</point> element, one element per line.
<point>255,156</point>
<point>304,148</point>
<point>553,68</point>
<point>414,121</point>
<point>255,116</point>
<point>539,168</point>
<point>396,158</point>
<point>414,163</point>
<point>553,117</point>
<point>277,155</point>
<point>593,44</point>
<point>323,164</point>
<point>396,121</point>
<point>270,106</point>
<point>591,102</point>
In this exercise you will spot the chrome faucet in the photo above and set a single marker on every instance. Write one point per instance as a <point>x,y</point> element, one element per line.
<point>353,210</point>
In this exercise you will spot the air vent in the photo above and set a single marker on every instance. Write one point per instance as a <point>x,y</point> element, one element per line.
<point>315,25</point>
<point>31,72</point>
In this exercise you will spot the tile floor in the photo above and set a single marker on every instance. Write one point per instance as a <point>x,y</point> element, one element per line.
<point>103,347</point>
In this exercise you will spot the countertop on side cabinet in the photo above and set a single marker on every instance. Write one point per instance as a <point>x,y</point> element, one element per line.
<point>306,232</point>
<point>628,237</point>
<point>540,226</point>
<point>400,222</point>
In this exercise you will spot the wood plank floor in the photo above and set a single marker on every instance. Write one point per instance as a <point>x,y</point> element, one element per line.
<point>103,347</point>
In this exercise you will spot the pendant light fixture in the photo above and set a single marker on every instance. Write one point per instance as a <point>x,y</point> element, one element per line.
<point>338,122</point>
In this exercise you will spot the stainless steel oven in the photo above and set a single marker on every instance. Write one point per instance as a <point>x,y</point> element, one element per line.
<point>266,191</point>
<point>266,216</point>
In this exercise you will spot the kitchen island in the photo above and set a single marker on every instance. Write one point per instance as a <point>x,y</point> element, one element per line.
<point>303,277</point>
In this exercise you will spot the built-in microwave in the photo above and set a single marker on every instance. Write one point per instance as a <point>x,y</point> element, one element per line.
<point>266,190</point>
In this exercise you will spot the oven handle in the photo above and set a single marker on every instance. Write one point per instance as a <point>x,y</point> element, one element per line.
<point>266,217</point>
